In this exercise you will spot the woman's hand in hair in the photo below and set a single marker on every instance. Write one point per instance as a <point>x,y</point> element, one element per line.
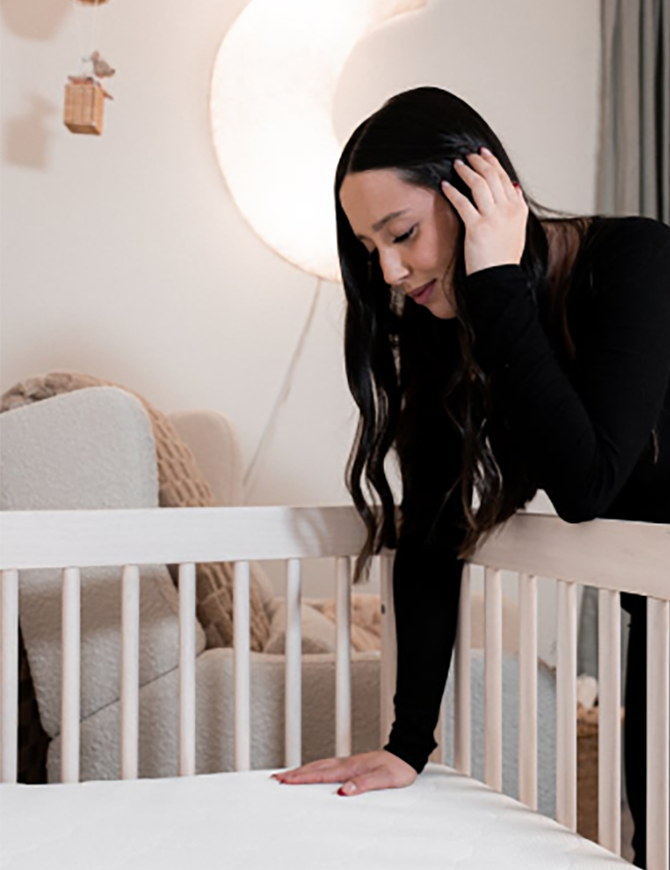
<point>366,771</point>
<point>495,226</point>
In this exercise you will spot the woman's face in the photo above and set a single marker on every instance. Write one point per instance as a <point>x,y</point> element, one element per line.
<point>414,229</point>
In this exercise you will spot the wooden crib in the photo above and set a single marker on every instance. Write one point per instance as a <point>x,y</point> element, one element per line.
<point>611,555</point>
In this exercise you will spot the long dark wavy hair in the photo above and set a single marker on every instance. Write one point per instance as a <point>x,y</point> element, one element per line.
<point>419,133</point>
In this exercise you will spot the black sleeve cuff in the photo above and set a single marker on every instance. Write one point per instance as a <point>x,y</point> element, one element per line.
<point>416,758</point>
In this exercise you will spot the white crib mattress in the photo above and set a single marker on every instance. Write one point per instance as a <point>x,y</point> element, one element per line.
<point>247,821</point>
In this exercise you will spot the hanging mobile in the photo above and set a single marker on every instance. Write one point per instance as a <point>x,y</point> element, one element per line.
<point>84,93</point>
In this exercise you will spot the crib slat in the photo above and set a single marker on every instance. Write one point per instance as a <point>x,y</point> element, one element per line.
<point>566,705</point>
<point>528,690</point>
<point>130,670</point>
<point>609,720</point>
<point>493,679</point>
<point>387,678</point>
<point>187,669</point>
<point>242,658</point>
<point>343,658</point>
<point>439,754</point>
<point>658,730</point>
<point>293,666</point>
<point>462,691</point>
<point>71,677</point>
<point>9,699</point>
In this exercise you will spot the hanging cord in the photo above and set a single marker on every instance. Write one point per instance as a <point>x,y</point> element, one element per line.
<point>283,394</point>
<point>96,27</point>
<point>87,38</point>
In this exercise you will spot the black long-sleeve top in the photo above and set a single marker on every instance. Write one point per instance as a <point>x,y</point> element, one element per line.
<point>582,426</point>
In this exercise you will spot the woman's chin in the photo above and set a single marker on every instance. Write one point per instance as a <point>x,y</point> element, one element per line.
<point>442,310</point>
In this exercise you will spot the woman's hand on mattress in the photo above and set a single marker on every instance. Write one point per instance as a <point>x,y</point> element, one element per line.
<point>366,771</point>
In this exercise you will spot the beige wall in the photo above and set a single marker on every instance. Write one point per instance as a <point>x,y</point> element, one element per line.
<point>123,255</point>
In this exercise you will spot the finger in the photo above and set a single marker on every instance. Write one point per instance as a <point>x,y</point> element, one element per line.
<point>313,777</point>
<point>482,164</point>
<point>379,777</point>
<point>478,184</point>
<point>310,777</point>
<point>319,764</point>
<point>510,187</point>
<point>460,202</point>
<point>323,770</point>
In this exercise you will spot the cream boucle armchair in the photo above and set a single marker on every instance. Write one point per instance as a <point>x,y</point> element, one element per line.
<point>94,448</point>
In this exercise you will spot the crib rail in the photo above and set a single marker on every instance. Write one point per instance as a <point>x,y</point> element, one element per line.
<point>615,557</point>
<point>611,555</point>
<point>48,539</point>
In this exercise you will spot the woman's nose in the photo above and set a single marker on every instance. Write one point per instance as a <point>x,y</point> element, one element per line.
<point>393,268</point>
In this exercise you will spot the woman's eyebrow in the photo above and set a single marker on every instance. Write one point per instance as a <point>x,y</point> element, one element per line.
<point>389,217</point>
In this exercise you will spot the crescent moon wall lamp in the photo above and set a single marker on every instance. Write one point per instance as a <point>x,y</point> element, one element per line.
<point>271,102</point>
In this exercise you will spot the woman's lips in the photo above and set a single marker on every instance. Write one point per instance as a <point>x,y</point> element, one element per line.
<point>424,296</point>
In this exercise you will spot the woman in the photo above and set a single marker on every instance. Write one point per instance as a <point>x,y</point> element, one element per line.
<point>497,352</point>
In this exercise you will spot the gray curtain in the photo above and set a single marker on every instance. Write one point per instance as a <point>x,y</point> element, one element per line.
<point>634,160</point>
<point>633,166</point>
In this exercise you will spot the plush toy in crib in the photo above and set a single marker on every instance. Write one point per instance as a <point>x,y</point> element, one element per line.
<point>366,620</point>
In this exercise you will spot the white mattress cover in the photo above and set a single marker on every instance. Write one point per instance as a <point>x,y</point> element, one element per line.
<point>247,821</point>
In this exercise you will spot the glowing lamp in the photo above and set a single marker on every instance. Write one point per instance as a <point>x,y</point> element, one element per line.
<point>272,96</point>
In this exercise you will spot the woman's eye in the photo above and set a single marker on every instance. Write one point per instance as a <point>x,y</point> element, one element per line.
<point>403,238</point>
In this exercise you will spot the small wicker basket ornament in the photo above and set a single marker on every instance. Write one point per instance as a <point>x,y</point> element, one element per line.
<point>85,96</point>
<point>84,105</point>
<point>84,93</point>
